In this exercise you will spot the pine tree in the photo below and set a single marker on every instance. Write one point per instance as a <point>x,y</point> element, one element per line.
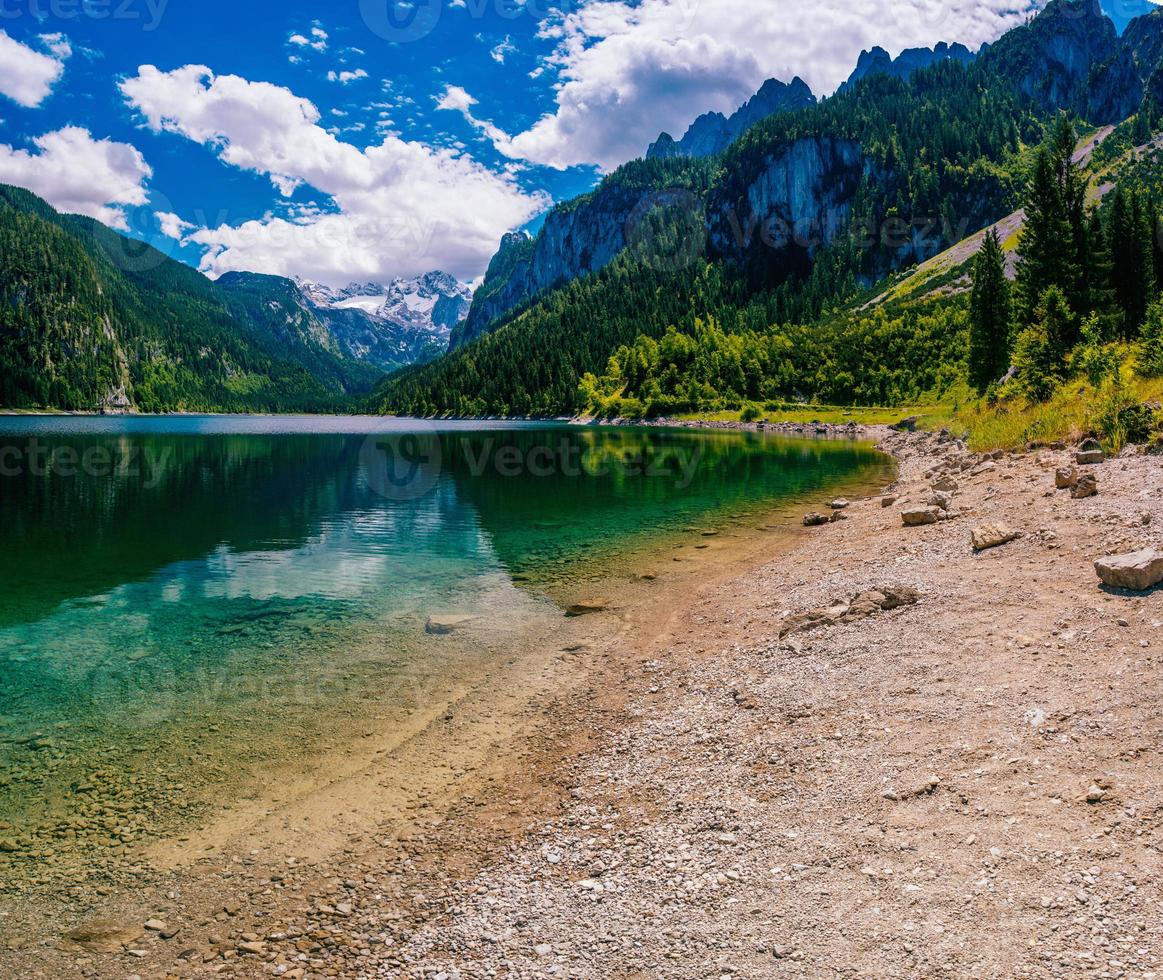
<point>1150,359</point>
<point>1132,272</point>
<point>989,315</point>
<point>1040,350</point>
<point>1045,248</point>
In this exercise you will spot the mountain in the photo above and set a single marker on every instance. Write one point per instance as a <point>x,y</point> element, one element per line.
<point>578,237</point>
<point>405,322</point>
<point>1070,57</point>
<point>800,213</point>
<point>879,62</point>
<point>91,319</point>
<point>713,132</point>
<point>1143,38</point>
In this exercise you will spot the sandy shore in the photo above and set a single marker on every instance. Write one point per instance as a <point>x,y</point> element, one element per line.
<point>967,785</point>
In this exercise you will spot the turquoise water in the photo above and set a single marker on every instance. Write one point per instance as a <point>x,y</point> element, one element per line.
<point>178,595</point>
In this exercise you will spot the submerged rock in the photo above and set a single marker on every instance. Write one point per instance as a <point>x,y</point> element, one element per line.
<point>588,608</point>
<point>446,625</point>
<point>1137,572</point>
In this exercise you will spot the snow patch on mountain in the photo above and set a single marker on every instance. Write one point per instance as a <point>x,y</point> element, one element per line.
<point>433,303</point>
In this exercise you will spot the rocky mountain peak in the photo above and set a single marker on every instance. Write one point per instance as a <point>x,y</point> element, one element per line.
<point>713,132</point>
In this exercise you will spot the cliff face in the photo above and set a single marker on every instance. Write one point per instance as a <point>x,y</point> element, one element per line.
<point>1144,42</point>
<point>713,132</point>
<point>801,199</point>
<point>1070,57</point>
<point>578,238</point>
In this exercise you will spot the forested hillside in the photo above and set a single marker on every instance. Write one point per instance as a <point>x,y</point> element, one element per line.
<point>91,319</point>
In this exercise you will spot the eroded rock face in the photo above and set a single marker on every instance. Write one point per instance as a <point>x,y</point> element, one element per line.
<point>800,198</point>
<point>1138,572</point>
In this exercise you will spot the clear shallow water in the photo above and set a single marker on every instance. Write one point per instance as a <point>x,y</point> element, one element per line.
<point>185,597</point>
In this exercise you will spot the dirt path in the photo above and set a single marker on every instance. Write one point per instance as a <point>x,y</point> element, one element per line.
<point>901,795</point>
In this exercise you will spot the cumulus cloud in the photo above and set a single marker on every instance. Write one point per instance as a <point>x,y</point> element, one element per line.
<point>173,226</point>
<point>346,77</point>
<point>80,175</point>
<point>27,76</point>
<point>627,70</point>
<point>315,39</point>
<point>401,208</point>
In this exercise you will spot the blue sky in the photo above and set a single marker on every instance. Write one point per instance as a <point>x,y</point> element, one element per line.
<point>355,140</point>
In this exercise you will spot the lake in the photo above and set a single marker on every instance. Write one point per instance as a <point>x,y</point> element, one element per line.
<point>190,602</point>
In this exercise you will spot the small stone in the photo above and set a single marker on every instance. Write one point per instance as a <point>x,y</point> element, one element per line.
<point>1087,486</point>
<point>543,950</point>
<point>254,947</point>
<point>840,504</point>
<point>942,501</point>
<point>1089,457</point>
<point>155,925</point>
<point>946,485</point>
<point>815,520</point>
<point>1095,794</point>
<point>888,501</point>
<point>1065,478</point>
<point>927,786</point>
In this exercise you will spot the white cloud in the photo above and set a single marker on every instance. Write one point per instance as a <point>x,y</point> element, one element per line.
<point>503,50</point>
<point>173,226</point>
<point>27,76</point>
<point>456,99</point>
<point>346,77</point>
<point>627,70</point>
<point>402,208</point>
<point>316,41</point>
<point>80,175</point>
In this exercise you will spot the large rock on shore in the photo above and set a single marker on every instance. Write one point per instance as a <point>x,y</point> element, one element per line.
<point>1137,572</point>
<point>992,536</point>
<point>920,516</point>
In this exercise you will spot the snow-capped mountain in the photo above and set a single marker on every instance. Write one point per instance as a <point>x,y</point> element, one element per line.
<point>430,304</point>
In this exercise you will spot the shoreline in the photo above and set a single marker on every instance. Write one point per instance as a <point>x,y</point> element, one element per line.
<point>382,784</point>
<point>885,796</point>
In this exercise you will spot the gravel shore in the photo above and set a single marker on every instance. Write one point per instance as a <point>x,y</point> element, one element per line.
<point>967,784</point>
